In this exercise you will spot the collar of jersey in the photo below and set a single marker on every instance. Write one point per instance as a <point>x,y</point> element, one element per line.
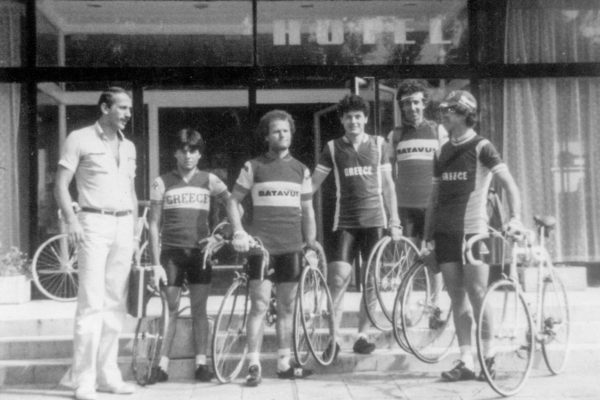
<point>102,135</point>
<point>465,138</point>
<point>365,138</point>
<point>271,156</point>
<point>176,172</point>
<point>407,125</point>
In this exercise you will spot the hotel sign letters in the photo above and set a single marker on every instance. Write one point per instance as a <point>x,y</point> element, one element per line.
<point>288,32</point>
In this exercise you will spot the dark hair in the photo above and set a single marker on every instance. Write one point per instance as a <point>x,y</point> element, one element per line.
<point>107,96</point>
<point>471,119</point>
<point>188,137</point>
<point>413,86</point>
<point>352,102</point>
<point>274,115</point>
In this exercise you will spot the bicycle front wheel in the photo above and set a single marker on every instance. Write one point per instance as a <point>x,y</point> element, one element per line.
<point>505,335</point>
<point>555,324</point>
<point>229,341</point>
<point>54,269</point>
<point>301,349</point>
<point>149,334</point>
<point>316,309</point>
<point>393,262</point>
<point>426,315</point>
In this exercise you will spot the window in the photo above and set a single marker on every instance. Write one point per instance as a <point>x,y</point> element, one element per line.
<point>150,33</point>
<point>351,32</point>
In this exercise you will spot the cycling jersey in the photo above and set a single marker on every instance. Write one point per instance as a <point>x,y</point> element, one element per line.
<point>464,171</point>
<point>413,149</point>
<point>358,179</point>
<point>277,186</point>
<point>185,206</point>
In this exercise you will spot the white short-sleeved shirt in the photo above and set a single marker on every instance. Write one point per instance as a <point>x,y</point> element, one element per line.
<point>101,181</point>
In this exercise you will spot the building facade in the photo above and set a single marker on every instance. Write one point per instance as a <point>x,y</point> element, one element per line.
<point>216,66</point>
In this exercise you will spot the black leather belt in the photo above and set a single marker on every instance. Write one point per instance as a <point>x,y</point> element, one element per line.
<point>113,213</point>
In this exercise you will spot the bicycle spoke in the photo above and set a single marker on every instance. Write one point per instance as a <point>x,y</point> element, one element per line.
<point>505,332</point>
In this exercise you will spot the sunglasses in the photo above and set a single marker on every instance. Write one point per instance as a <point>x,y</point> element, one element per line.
<point>451,110</point>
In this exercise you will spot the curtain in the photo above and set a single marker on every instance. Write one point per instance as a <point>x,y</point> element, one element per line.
<point>11,15</point>
<point>551,125</point>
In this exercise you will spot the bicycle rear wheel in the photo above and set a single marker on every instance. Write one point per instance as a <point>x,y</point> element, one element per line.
<point>369,296</point>
<point>555,324</point>
<point>149,334</point>
<point>426,315</point>
<point>316,309</point>
<point>54,269</point>
<point>229,342</point>
<point>505,332</point>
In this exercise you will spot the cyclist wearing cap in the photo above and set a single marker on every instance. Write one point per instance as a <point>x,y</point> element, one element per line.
<point>180,206</point>
<point>463,169</point>
<point>414,143</point>
<point>365,190</point>
<point>282,218</point>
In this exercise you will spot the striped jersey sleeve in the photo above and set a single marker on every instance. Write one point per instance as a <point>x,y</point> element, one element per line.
<point>326,160</point>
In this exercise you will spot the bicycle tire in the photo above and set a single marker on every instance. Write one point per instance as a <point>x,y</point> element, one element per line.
<point>395,257</point>
<point>397,320</point>
<point>301,349</point>
<point>316,309</point>
<point>426,316</point>
<point>229,341</point>
<point>512,338</point>
<point>149,335</point>
<point>369,295</point>
<point>54,269</point>
<point>556,324</point>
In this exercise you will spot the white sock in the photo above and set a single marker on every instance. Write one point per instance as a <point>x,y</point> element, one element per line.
<point>363,336</point>
<point>466,356</point>
<point>254,359</point>
<point>283,359</point>
<point>163,363</point>
<point>200,359</point>
<point>488,349</point>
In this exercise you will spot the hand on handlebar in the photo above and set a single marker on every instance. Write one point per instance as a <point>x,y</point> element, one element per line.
<point>241,241</point>
<point>396,233</point>
<point>515,228</point>
<point>159,275</point>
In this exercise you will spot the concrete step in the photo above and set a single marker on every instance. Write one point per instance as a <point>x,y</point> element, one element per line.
<point>51,371</point>
<point>61,346</point>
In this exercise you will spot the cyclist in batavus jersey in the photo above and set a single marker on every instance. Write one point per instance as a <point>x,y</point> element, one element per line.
<point>283,219</point>
<point>463,169</point>
<point>413,145</point>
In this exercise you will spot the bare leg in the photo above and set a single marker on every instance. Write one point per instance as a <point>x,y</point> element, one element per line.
<point>338,280</point>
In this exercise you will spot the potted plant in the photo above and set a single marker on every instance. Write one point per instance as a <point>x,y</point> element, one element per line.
<point>15,276</point>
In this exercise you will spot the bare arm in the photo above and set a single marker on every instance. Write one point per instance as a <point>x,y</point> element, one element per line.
<point>512,191</point>
<point>64,177</point>
<point>154,231</point>
<point>391,204</point>
<point>309,225</point>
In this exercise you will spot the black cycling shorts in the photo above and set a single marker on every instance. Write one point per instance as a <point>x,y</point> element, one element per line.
<point>349,241</point>
<point>413,222</point>
<point>283,268</point>
<point>450,247</point>
<point>185,263</point>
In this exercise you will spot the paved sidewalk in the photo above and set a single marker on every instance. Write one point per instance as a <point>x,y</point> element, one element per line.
<point>367,386</point>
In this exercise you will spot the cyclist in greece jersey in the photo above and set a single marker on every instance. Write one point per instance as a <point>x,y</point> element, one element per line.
<point>185,206</point>
<point>277,187</point>
<point>359,198</point>
<point>464,171</point>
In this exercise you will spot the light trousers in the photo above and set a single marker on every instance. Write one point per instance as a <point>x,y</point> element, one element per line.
<point>104,261</point>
